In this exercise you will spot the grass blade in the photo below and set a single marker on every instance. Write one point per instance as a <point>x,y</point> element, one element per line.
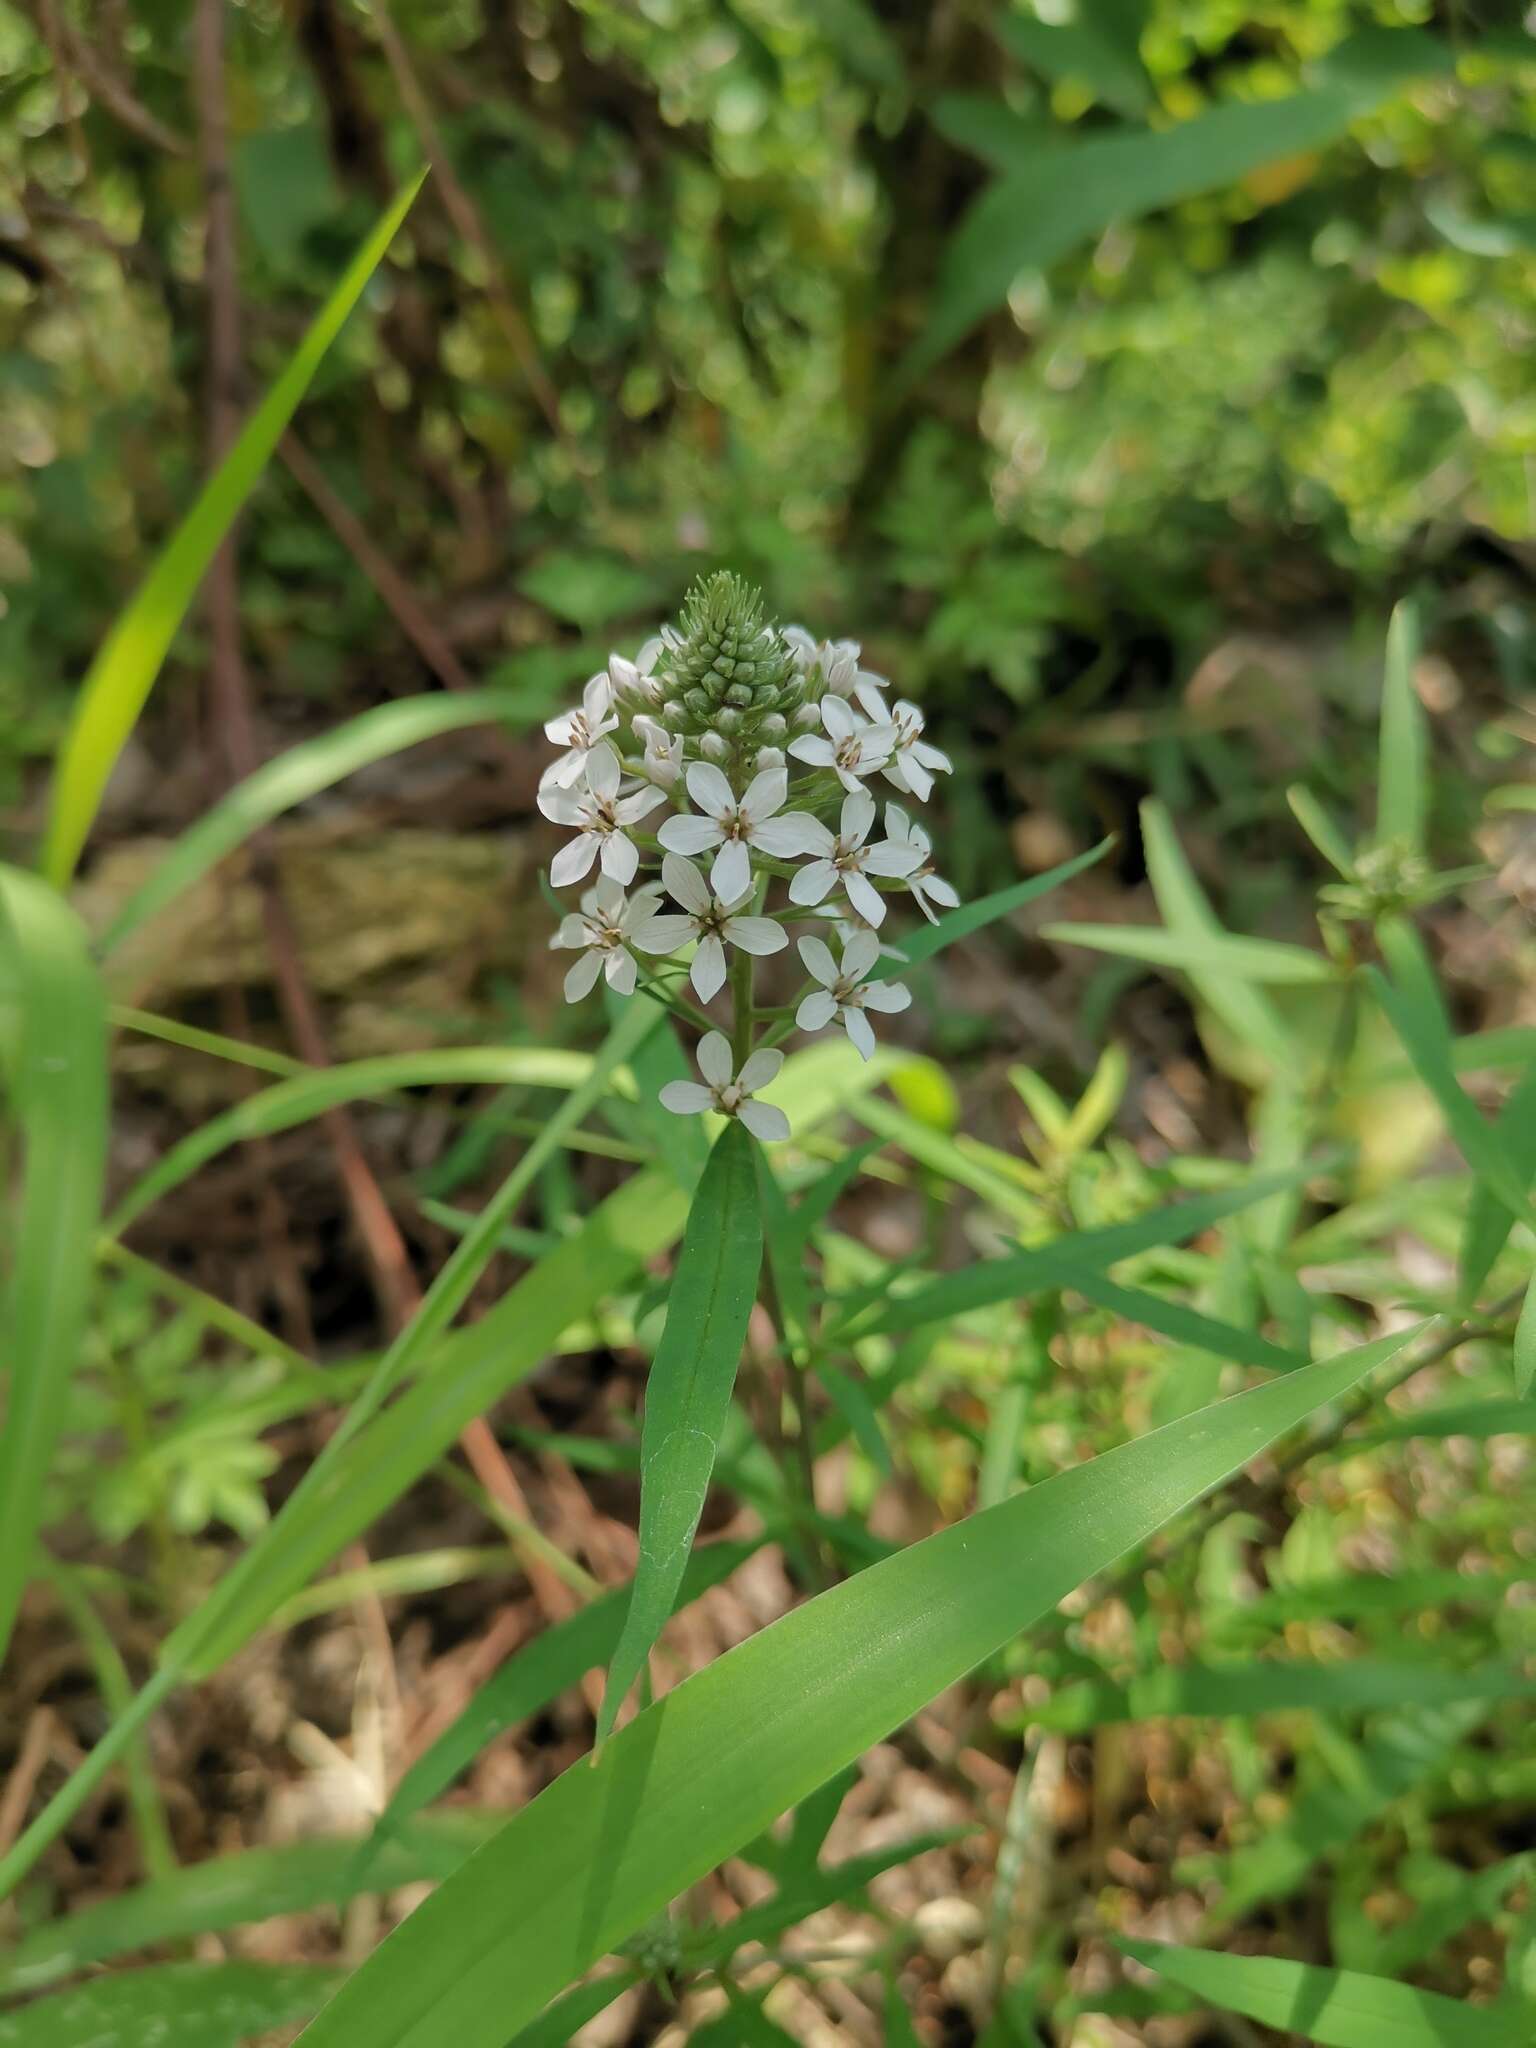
<point>1525,1347</point>
<point>959,924</point>
<point>1080,1254</point>
<point>1337,2008</point>
<point>1402,782</point>
<point>1207,953</point>
<point>53,1038</point>
<point>688,1392</point>
<point>1321,830</point>
<point>1187,1325</point>
<point>124,671</point>
<point>1488,1220</point>
<point>1416,1011</point>
<point>173,2005</point>
<point>709,1767</point>
<point>302,772</point>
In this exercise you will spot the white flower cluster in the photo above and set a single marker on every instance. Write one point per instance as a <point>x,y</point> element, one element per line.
<point>760,745</point>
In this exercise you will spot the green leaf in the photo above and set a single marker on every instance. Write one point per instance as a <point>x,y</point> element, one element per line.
<point>53,1041</point>
<point>1249,1015</point>
<point>1525,1348</point>
<point>1321,830</point>
<point>899,2030</point>
<point>959,924</point>
<point>1071,193</point>
<point>556,2026</point>
<point>1077,1255</point>
<point>124,671</point>
<point>1081,51</point>
<point>1338,2008</point>
<point>173,2005</point>
<point>1270,1686</point>
<point>1416,1011</point>
<point>528,1681</point>
<point>707,1769</point>
<point>1186,1325</point>
<point>1208,953</point>
<point>1402,791</point>
<point>295,776</point>
<point>1488,1219</point>
<point>688,1392</point>
<point>226,1891</point>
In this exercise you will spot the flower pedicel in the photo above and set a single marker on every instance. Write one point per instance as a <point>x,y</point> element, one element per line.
<point>758,741</point>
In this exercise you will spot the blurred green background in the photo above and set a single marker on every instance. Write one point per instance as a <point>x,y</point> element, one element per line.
<point>1105,372</point>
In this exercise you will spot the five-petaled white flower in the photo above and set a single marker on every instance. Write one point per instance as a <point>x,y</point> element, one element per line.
<point>734,824</point>
<point>848,860</point>
<point>599,814</point>
<point>844,993</point>
<point>712,923</point>
<point>925,885</point>
<point>580,731</point>
<point>732,1096</point>
<point>608,924</point>
<point>849,747</point>
<point>914,762</point>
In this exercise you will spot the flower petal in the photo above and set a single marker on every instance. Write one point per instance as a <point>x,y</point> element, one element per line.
<point>710,790</point>
<point>731,875</point>
<point>573,860</point>
<point>765,794</point>
<point>791,834</point>
<point>816,1011</point>
<point>629,810</point>
<point>664,934</point>
<point>859,1030</point>
<point>859,955</point>
<point>858,815</point>
<point>812,882</point>
<point>685,1098</point>
<point>621,857</point>
<point>603,771</point>
<point>620,970</point>
<point>889,996</point>
<point>907,772</point>
<point>610,898</point>
<point>865,898</point>
<point>815,748</point>
<point>714,1058</point>
<point>759,935</point>
<point>839,718</point>
<point>891,857</point>
<point>708,970</point>
<point>583,976</point>
<point>557,804</point>
<point>758,1069</point>
<point>765,1121</point>
<point>688,834</point>
<point>572,932</point>
<point>685,883</point>
<point>817,956</point>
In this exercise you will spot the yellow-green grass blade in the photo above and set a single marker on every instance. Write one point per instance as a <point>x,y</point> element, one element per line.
<point>53,1038</point>
<point>688,1392</point>
<point>1335,2008</point>
<point>300,773</point>
<point>1402,783</point>
<point>123,674</point>
<point>1261,960</point>
<point>714,1763</point>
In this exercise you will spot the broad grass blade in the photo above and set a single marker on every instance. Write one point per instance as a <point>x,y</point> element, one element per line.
<point>1357,1685</point>
<point>1336,2008</point>
<point>173,2005</point>
<point>1187,1325</point>
<point>1402,783</point>
<point>123,674</point>
<point>710,1766</point>
<point>53,1037</point>
<point>300,773</point>
<point>1263,960</point>
<point>688,1392</point>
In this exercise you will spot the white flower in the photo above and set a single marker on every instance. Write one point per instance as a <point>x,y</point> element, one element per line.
<point>633,682</point>
<point>734,824</point>
<point>599,814</point>
<point>607,924</point>
<point>580,731</point>
<point>844,993</point>
<point>925,885</point>
<point>709,921</point>
<point>913,763</point>
<point>732,1097</point>
<point>848,860</point>
<point>663,761</point>
<point>802,647</point>
<point>848,747</point>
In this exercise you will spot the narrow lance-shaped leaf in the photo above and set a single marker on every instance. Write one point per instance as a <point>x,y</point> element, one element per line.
<point>1488,1219</point>
<point>1525,1345</point>
<point>1263,960</point>
<point>173,2005</point>
<point>1336,2008</point>
<point>711,1765</point>
<point>123,673</point>
<point>688,1392</point>
<point>53,1037</point>
<point>974,917</point>
<point>1401,787</point>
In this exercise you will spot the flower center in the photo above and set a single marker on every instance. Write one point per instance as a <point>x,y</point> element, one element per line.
<point>728,1098</point>
<point>849,752</point>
